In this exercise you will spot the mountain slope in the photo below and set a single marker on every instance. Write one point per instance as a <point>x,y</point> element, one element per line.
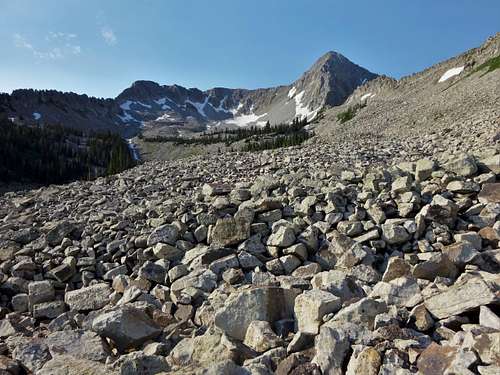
<point>455,95</point>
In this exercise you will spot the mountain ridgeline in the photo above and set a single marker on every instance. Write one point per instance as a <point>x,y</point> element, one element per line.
<point>181,110</point>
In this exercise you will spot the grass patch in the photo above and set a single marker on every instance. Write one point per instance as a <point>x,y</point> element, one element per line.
<point>350,112</point>
<point>491,65</point>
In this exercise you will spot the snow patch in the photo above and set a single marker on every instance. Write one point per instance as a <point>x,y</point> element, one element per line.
<point>165,117</point>
<point>127,117</point>
<point>200,107</point>
<point>220,108</point>
<point>144,105</point>
<point>126,105</point>
<point>245,120</point>
<point>366,96</point>
<point>301,110</point>
<point>37,116</point>
<point>292,92</point>
<point>451,73</point>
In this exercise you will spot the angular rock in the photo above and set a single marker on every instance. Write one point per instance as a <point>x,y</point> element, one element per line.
<point>488,318</point>
<point>311,306</point>
<point>231,230</point>
<point>490,193</point>
<point>396,267</point>
<point>127,326</point>
<point>92,297</point>
<point>394,234</point>
<point>283,237</point>
<point>168,252</point>
<point>58,232</point>
<point>365,360</point>
<point>48,310</point>
<point>69,365</point>
<point>332,347</point>
<point>78,344</point>
<point>461,297</point>
<point>32,354</point>
<point>260,336</point>
<point>438,265</point>
<point>424,169</point>
<point>267,304</point>
<point>168,234</point>
<point>338,283</point>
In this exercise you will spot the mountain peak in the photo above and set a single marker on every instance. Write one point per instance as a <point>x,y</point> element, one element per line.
<point>331,60</point>
<point>145,84</point>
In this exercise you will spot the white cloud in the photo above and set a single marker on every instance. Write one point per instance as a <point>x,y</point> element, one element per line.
<point>55,51</point>
<point>109,35</point>
<point>76,50</point>
<point>62,36</point>
<point>20,42</point>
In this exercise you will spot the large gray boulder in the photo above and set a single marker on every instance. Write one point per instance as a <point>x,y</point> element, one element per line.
<point>311,306</point>
<point>231,230</point>
<point>127,326</point>
<point>93,297</point>
<point>466,294</point>
<point>267,304</point>
<point>79,344</point>
<point>332,347</point>
<point>164,234</point>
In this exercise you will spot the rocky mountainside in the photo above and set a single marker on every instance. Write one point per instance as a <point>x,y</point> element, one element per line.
<point>260,263</point>
<point>462,92</point>
<point>372,249</point>
<point>177,109</point>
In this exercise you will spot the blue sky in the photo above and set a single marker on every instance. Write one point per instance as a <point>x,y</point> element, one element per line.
<point>100,47</point>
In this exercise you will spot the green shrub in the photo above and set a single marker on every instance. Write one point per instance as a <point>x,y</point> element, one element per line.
<point>492,64</point>
<point>350,112</point>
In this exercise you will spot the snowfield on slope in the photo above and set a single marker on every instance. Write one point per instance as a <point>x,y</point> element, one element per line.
<point>245,120</point>
<point>451,73</point>
<point>301,110</point>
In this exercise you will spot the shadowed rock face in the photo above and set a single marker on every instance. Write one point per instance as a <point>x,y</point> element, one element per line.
<point>329,82</point>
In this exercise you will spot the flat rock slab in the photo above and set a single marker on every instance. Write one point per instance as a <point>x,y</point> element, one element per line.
<point>93,297</point>
<point>68,365</point>
<point>490,193</point>
<point>435,359</point>
<point>79,344</point>
<point>460,298</point>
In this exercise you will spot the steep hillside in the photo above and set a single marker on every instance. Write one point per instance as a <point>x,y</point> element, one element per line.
<point>457,95</point>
